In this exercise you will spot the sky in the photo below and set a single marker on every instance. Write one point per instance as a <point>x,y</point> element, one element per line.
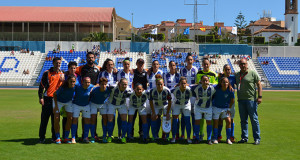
<point>155,11</point>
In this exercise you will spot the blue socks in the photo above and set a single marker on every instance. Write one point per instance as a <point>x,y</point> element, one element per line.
<point>148,126</point>
<point>209,131</point>
<point>228,133</point>
<point>196,131</point>
<point>187,121</point>
<point>74,130</point>
<point>86,130</point>
<point>145,130</point>
<point>220,130</point>
<point>124,128</point>
<point>215,133</point>
<point>182,124</point>
<point>110,128</point>
<point>232,129</point>
<point>129,129</point>
<point>119,123</point>
<point>104,128</point>
<point>92,128</point>
<point>174,127</point>
<point>154,128</point>
<point>67,134</point>
<point>57,135</point>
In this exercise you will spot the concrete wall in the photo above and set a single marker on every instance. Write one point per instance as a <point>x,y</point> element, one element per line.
<point>157,46</point>
<point>67,46</point>
<point>276,51</point>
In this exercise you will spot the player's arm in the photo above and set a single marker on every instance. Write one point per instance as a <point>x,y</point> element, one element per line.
<point>44,83</point>
<point>169,97</point>
<point>55,102</point>
<point>259,90</point>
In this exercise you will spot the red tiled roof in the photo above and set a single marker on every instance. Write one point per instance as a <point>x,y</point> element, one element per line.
<point>272,28</point>
<point>186,24</point>
<point>56,14</point>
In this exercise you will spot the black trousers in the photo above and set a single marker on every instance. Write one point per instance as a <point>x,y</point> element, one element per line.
<point>47,111</point>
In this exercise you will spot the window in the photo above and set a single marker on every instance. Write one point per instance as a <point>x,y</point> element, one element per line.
<point>292,39</point>
<point>292,19</point>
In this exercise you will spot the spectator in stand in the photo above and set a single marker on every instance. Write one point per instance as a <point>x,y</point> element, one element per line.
<point>32,53</point>
<point>232,57</point>
<point>267,62</point>
<point>73,47</point>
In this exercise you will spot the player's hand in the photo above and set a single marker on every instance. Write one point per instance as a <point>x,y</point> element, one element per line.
<point>42,102</point>
<point>55,110</point>
<point>149,72</point>
<point>131,71</point>
<point>154,116</point>
<point>62,77</point>
<point>259,100</point>
<point>229,113</point>
<point>115,70</point>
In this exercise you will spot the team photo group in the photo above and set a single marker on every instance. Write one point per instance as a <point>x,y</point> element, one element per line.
<point>181,103</point>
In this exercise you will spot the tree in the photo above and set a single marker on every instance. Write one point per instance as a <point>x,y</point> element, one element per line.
<point>277,40</point>
<point>240,23</point>
<point>96,37</point>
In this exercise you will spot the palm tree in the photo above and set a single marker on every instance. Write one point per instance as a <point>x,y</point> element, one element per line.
<point>96,37</point>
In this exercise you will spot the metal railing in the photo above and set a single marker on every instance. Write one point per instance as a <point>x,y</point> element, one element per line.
<point>284,84</point>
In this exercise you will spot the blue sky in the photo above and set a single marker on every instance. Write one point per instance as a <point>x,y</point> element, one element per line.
<point>155,11</point>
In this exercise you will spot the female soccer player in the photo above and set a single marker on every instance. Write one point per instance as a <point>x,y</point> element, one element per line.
<point>182,95</point>
<point>152,72</point>
<point>160,101</point>
<point>81,103</point>
<point>232,81</point>
<point>117,101</point>
<point>223,101</point>
<point>98,98</point>
<point>171,78</point>
<point>108,71</point>
<point>126,73</point>
<point>63,98</point>
<point>138,102</point>
<point>203,107</point>
<point>190,72</point>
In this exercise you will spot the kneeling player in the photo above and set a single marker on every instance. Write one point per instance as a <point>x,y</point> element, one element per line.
<point>81,103</point>
<point>182,95</point>
<point>223,100</point>
<point>138,102</point>
<point>63,98</point>
<point>203,107</point>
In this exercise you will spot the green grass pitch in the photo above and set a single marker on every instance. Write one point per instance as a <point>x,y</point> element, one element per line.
<point>279,116</point>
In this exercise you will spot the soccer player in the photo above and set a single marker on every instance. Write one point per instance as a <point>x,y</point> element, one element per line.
<point>108,72</point>
<point>160,101</point>
<point>152,72</point>
<point>117,102</point>
<point>203,107</point>
<point>81,103</point>
<point>212,80</point>
<point>223,101</point>
<point>232,81</point>
<point>190,72</point>
<point>138,102</point>
<point>63,98</point>
<point>182,95</point>
<point>125,73</point>
<point>98,99</point>
<point>51,81</point>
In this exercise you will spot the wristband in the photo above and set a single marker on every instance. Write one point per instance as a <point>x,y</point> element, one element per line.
<point>259,96</point>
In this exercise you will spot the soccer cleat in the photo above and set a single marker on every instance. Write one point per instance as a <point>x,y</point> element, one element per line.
<point>232,139</point>
<point>145,140</point>
<point>109,139</point>
<point>68,141</point>
<point>228,141</point>
<point>92,140</point>
<point>189,141</point>
<point>73,141</point>
<point>219,138</point>
<point>123,140</point>
<point>209,142</point>
<point>42,141</point>
<point>196,141</point>
<point>58,141</point>
<point>201,138</point>
<point>104,140</point>
<point>182,137</point>
<point>215,141</point>
<point>86,140</point>
<point>173,140</point>
<point>256,142</point>
<point>177,136</point>
<point>243,140</point>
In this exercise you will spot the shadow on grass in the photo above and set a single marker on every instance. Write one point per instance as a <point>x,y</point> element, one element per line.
<point>28,141</point>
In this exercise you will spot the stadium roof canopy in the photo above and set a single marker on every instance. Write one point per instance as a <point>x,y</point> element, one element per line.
<point>56,14</point>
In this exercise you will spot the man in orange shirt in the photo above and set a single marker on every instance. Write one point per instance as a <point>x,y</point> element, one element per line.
<point>51,81</point>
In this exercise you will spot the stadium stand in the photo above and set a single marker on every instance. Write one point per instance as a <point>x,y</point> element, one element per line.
<point>13,65</point>
<point>282,71</point>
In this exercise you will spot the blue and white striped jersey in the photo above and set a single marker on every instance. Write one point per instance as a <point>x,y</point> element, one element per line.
<point>203,97</point>
<point>128,76</point>
<point>151,79</point>
<point>160,99</point>
<point>171,80</point>
<point>117,97</point>
<point>182,98</point>
<point>111,77</point>
<point>189,74</point>
<point>138,101</point>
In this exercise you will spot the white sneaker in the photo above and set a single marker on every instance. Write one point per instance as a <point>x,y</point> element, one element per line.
<point>73,141</point>
<point>189,141</point>
<point>228,141</point>
<point>173,140</point>
<point>215,141</point>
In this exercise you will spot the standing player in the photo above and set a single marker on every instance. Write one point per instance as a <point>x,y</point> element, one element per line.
<point>108,72</point>
<point>117,101</point>
<point>138,102</point>
<point>98,99</point>
<point>223,100</point>
<point>190,72</point>
<point>51,81</point>
<point>152,72</point>
<point>182,95</point>
<point>63,98</point>
<point>212,80</point>
<point>232,81</point>
<point>125,73</point>
<point>81,103</point>
<point>203,107</point>
<point>160,101</point>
